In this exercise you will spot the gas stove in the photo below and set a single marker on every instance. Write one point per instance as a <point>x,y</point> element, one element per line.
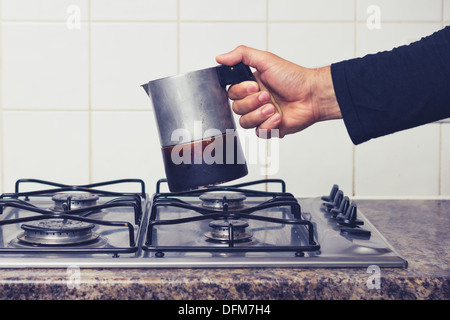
<point>59,225</point>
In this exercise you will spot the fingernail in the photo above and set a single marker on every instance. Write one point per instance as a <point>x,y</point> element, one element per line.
<point>264,96</point>
<point>275,118</point>
<point>268,110</point>
<point>252,88</point>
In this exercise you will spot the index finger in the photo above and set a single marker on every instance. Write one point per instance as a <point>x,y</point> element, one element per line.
<point>252,57</point>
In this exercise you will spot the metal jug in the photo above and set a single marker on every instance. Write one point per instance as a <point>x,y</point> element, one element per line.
<point>199,141</point>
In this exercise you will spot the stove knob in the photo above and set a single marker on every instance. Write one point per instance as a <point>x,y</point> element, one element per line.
<point>350,217</point>
<point>336,202</point>
<point>332,194</point>
<point>358,232</point>
<point>343,207</point>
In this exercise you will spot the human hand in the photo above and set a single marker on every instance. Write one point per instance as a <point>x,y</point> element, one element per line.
<point>304,95</point>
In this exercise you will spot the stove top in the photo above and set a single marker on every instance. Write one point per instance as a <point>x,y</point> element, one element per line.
<point>58,225</point>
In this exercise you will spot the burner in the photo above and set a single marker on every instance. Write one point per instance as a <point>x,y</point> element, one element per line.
<point>221,231</point>
<point>57,231</point>
<point>223,200</point>
<point>77,201</point>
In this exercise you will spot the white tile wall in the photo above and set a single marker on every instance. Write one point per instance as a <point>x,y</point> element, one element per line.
<point>42,10</point>
<point>315,159</point>
<point>399,165</point>
<point>445,159</point>
<point>319,10</point>
<point>446,13</point>
<point>72,110</point>
<point>49,145</point>
<point>402,10</point>
<point>294,41</point>
<point>218,10</point>
<point>125,145</point>
<point>133,10</point>
<point>391,35</point>
<point>44,66</point>
<point>1,154</point>
<point>200,43</point>
<point>126,55</point>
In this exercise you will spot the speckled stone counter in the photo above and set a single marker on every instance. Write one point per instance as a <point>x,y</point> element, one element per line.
<point>418,230</point>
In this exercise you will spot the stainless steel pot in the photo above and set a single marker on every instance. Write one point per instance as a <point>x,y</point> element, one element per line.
<point>198,137</point>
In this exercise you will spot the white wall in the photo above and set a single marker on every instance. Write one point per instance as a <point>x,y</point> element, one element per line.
<point>72,110</point>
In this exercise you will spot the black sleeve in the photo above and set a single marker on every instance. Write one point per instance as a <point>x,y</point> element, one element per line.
<point>390,91</point>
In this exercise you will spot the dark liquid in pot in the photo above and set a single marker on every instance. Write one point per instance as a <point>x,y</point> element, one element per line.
<point>204,163</point>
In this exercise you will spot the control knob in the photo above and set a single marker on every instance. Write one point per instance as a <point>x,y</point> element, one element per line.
<point>349,218</point>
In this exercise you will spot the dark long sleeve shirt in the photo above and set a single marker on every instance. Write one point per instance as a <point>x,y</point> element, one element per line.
<point>390,91</point>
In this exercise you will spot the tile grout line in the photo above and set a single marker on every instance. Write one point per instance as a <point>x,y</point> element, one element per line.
<point>178,37</point>
<point>355,51</point>
<point>227,21</point>
<point>2,130</point>
<point>440,125</point>
<point>90,92</point>
<point>442,14</point>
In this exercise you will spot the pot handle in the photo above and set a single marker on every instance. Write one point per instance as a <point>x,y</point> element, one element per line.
<point>229,75</point>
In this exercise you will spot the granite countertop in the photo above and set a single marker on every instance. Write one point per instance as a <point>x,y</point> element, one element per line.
<point>417,229</point>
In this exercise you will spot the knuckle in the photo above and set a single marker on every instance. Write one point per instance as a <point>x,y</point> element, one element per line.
<point>235,107</point>
<point>244,123</point>
<point>236,91</point>
<point>241,47</point>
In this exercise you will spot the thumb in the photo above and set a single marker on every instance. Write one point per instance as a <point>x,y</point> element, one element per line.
<point>252,57</point>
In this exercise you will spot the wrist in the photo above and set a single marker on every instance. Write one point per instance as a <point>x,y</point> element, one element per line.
<point>323,96</point>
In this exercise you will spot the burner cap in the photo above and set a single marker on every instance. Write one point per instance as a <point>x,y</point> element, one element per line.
<point>219,200</point>
<point>77,200</point>
<point>221,231</point>
<point>56,231</point>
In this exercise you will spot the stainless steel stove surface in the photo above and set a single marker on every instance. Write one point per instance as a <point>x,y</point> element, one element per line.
<point>222,226</point>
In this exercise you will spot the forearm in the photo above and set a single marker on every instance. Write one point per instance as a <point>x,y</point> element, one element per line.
<point>395,90</point>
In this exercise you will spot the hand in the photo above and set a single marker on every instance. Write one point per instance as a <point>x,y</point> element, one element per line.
<point>305,95</point>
